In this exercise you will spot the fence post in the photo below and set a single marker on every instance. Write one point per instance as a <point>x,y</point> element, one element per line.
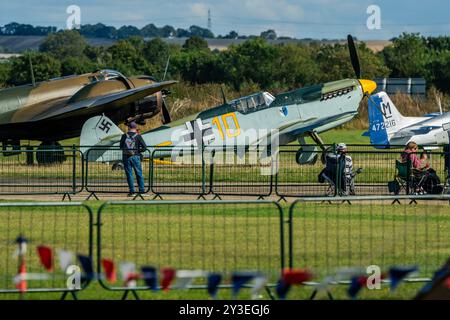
<point>30,155</point>
<point>74,168</point>
<point>408,174</point>
<point>203,170</point>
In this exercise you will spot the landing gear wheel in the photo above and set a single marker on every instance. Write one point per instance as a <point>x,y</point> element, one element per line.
<point>303,158</point>
<point>117,166</point>
<point>49,153</point>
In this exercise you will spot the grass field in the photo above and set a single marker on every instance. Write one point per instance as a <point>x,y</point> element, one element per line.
<point>229,237</point>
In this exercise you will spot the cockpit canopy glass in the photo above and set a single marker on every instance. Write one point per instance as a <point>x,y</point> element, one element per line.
<point>253,102</point>
<point>106,74</point>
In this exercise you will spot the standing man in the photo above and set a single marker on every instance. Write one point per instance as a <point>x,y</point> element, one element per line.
<point>132,146</point>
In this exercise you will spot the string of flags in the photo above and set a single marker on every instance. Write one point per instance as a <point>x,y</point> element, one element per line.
<point>169,278</point>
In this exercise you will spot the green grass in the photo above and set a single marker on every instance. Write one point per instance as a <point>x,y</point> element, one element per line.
<point>348,136</point>
<point>229,237</point>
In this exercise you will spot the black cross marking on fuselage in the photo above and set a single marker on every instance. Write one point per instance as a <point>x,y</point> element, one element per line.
<point>105,126</point>
<point>198,133</point>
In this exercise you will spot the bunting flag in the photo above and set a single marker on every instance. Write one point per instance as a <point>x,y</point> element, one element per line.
<point>128,273</point>
<point>397,274</point>
<point>258,285</point>
<point>356,284</point>
<point>186,277</point>
<point>289,278</point>
<point>22,246</point>
<point>65,259</point>
<point>282,289</point>
<point>20,279</point>
<point>110,270</point>
<point>150,277</point>
<point>87,266</point>
<point>296,276</point>
<point>168,274</point>
<point>46,257</point>
<point>239,279</point>
<point>214,280</point>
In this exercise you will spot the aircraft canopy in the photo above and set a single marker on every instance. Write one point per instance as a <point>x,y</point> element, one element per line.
<point>253,102</point>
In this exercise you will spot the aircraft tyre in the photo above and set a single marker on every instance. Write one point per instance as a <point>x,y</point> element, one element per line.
<point>50,153</point>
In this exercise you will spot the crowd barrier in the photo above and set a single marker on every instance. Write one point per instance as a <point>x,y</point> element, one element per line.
<point>328,236</point>
<point>231,171</point>
<point>41,171</point>
<point>57,228</point>
<point>323,235</point>
<point>213,236</point>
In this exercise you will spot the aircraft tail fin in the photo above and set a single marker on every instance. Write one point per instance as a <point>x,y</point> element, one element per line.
<point>99,131</point>
<point>384,119</point>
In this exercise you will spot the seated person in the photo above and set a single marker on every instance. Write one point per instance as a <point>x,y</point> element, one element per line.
<point>421,170</point>
<point>348,187</point>
<point>410,153</point>
<point>339,168</point>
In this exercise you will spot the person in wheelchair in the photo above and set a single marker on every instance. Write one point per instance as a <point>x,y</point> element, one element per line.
<point>425,178</point>
<point>339,170</point>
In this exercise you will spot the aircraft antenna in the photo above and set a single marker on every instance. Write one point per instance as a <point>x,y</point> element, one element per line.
<point>33,81</point>
<point>439,102</point>
<point>223,95</point>
<point>167,67</point>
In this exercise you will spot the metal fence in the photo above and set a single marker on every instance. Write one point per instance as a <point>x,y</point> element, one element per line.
<point>179,171</point>
<point>378,169</point>
<point>58,226</point>
<point>235,171</point>
<point>214,236</point>
<point>322,235</point>
<point>49,171</point>
<point>104,171</point>
<point>328,235</point>
<point>231,171</point>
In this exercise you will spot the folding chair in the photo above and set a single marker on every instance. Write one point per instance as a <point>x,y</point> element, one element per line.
<point>410,180</point>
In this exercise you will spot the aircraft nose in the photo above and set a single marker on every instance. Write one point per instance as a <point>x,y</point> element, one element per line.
<point>368,86</point>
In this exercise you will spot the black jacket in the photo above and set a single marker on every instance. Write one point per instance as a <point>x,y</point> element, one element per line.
<point>140,144</point>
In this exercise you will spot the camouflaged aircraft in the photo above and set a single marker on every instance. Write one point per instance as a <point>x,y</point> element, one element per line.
<point>54,110</point>
<point>288,117</point>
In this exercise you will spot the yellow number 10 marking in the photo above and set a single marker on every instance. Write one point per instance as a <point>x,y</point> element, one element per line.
<point>231,133</point>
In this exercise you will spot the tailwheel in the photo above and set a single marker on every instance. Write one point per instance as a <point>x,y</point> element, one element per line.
<point>50,153</point>
<point>117,166</point>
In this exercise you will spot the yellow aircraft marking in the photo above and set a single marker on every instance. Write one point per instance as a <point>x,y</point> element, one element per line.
<point>219,127</point>
<point>228,131</point>
<point>164,144</point>
<point>160,162</point>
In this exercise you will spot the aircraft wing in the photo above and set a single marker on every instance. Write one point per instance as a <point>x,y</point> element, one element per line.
<point>111,101</point>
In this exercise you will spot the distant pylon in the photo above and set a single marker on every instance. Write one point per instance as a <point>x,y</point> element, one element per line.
<point>209,20</point>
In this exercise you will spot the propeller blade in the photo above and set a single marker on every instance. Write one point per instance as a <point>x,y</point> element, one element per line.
<point>354,56</point>
<point>165,112</point>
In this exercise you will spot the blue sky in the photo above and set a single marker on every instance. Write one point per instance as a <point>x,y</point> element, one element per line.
<point>299,18</point>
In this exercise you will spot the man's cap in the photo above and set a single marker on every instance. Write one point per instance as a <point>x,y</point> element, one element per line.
<point>132,125</point>
<point>341,146</point>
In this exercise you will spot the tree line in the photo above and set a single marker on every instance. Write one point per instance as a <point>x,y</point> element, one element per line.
<point>99,30</point>
<point>254,63</point>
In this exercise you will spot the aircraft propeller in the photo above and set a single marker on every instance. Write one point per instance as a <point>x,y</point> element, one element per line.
<point>165,115</point>
<point>354,56</point>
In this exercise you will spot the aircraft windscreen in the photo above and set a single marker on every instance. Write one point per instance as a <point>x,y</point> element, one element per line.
<point>253,102</point>
<point>108,74</point>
